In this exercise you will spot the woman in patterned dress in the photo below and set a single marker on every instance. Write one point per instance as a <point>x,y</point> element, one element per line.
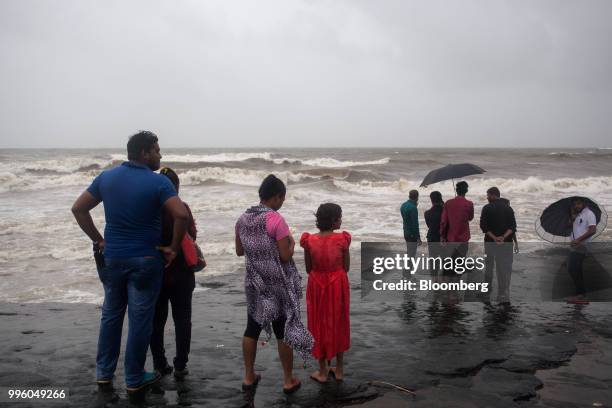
<point>272,284</point>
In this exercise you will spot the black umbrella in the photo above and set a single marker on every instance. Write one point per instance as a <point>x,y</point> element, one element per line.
<point>451,172</point>
<point>555,223</point>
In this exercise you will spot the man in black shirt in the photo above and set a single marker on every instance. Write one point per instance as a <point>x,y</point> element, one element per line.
<point>498,223</point>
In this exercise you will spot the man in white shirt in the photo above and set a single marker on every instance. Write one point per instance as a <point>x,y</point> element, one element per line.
<point>583,228</point>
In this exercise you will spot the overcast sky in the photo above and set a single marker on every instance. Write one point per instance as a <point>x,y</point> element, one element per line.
<point>306,73</point>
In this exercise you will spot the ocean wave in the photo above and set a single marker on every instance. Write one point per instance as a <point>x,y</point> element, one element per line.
<point>243,177</point>
<point>601,152</point>
<point>60,166</point>
<point>376,187</point>
<point>345,179</point>
<point>593,186</point>
<point>333,163</point>
<point>325,162</point>
<point>32,182</point>
<point>215,158</point>
<point>218,248</point>
<point>73,253</point>
<point>70,171</point>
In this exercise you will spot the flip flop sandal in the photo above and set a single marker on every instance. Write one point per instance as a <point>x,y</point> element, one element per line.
<point>293,389</point>
<point>249,387</point>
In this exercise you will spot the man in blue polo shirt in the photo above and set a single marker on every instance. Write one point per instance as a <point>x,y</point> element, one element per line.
<point>131,272</point>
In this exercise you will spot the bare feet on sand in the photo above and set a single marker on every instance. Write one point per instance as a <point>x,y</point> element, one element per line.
<point>338,373</point>
<point>319,377</point>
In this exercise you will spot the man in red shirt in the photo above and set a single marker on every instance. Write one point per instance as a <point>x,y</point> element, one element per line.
<point>455,222</point>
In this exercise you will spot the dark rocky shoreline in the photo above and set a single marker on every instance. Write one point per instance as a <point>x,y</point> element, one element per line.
<point>464,355</point>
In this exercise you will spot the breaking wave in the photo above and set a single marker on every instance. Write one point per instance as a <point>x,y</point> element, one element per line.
<point>595,186</point>
<point>325,162</point>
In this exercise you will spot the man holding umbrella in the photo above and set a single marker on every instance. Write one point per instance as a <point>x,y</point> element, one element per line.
<point>457,212</point>
<point>584,226</point>
<point>455,222</point>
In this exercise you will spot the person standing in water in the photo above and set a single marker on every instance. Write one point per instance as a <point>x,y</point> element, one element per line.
<point>132,267</point>
<point>410,219</point>
<point>584,226</point>
<point>514,236</point>
<point>498,223</point>
<point>272,284</point>
<point>327,259</point>
<point>432,219</point>
<point>177,288</point>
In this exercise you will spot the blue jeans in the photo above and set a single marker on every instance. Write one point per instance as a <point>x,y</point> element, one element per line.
<point>133,283</point>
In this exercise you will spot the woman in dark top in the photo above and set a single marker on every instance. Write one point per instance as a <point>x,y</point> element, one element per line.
<point>177,288</point>
<point>433,216</point>
<point>432,219</point>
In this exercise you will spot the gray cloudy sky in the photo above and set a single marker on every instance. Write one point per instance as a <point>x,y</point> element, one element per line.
<point>306,73</point>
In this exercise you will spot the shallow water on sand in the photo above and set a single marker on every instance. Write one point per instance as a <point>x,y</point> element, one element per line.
<point>463,355</point>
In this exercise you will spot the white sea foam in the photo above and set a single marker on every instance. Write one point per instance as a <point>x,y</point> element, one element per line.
<point>573,154</point>
<point>30,182</point>
<point>65,296</point>
<point>67,165</point>
<point>215,158</point>
<point>64,165</point>
<point>43,174</point>
<point>325,162</point>
<point>71,253</point>
<point>333,163</point>
<point>376,187</point>
<point>243,177</point>
<point>218,248</point>
<point>580,186</point>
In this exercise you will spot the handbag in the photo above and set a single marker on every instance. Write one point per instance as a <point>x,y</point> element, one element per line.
<point>193,255</point>
<point>201,264</point>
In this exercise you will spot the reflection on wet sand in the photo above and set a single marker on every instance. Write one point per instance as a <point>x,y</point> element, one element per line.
<point>450,353</point>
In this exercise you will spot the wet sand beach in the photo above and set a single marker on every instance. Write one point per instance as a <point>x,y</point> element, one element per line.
<point>464,355</point>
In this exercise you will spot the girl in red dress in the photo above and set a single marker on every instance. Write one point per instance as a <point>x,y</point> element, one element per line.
<point>327,259</point>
